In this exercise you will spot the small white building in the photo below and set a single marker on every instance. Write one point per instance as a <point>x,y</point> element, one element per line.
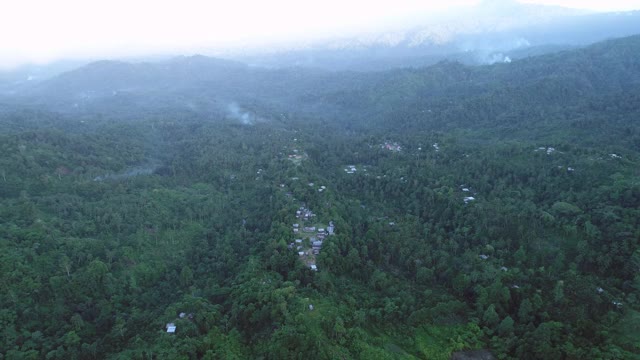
<point>313,267</point>
<point>171,328</point>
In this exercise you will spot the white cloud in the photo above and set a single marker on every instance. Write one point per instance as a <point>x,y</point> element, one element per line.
<point>597,5</point>
<point>45,30</point>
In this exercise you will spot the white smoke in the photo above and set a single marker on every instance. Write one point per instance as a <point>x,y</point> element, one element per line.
<point>489,52</point>
<point>238,113</point>
<point>495,58</point>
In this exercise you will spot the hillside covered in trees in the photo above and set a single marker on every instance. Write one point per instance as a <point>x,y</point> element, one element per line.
<point>493,207</point>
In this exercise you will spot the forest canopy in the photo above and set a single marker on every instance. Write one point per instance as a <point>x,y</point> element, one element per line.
<point>452,208</point>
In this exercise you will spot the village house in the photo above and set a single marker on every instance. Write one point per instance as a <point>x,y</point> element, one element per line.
<point>391,146</point>
<point>171,328</point>
<point>316,247</point>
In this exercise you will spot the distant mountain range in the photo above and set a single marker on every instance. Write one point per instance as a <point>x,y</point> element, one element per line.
<point>201,87</point>
<point>493,31</point>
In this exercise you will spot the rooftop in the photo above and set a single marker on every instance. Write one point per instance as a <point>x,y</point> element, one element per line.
<point>171,328</point>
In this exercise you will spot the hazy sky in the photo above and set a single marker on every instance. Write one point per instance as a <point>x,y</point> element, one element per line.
<point>44,30</point>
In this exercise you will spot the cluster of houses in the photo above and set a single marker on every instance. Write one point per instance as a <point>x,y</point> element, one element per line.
<point>436,147</point>
<point>466,190</point>
<point>392,146</point>
<point>617,304</point>
<point>315,236</point>
<point>297,156</point>
<point>304,214</point>
<point>569,168</point>
<point>548,150</point>
<point>171,327</point>
<point>350,169</point>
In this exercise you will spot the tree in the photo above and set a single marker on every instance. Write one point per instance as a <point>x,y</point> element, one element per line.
<point>490,318</point>
<point>506,326</point>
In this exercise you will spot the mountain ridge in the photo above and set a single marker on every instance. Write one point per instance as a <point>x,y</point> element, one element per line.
<point>203,85</point>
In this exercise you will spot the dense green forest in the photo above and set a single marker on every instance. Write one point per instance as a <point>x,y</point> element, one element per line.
<point>492,207</point>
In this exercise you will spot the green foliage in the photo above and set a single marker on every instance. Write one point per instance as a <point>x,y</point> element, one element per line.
<point>112,229</point>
